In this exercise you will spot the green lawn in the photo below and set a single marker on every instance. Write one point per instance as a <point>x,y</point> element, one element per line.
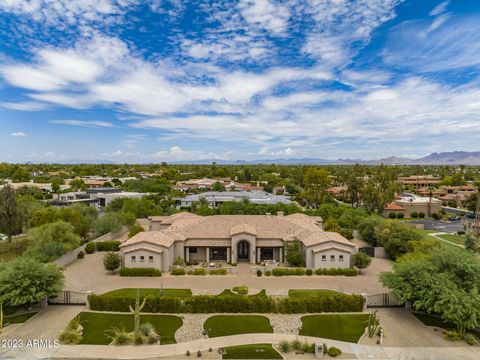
<point>147,291</point>
<point>344,327</point>
<point>96,324</point>
<point>430,320</point>
<point>18,319</point>
<point>315,292</point>
<point>258,351</point>
<point>228,292</point>
<point>224,325</point>
<point>454,238</point>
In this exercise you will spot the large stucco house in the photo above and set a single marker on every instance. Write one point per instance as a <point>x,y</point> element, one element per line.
<point>234,238</point>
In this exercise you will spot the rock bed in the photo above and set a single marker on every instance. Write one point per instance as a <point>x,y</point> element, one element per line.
<point>206,291</point>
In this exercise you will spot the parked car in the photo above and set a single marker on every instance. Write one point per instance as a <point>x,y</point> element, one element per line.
<point>454,218</point>
<point>470,215</point>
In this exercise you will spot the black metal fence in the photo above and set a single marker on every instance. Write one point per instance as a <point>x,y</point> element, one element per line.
<point>68,298</point>
<point>383,300</point>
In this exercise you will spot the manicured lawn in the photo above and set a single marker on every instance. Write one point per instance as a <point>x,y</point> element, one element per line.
<point>430,320</point>
<point>147,291</point>
<point>96,324</point>
<point>457,239</point>
<point>224,325</point>
<point>315,292</point>
<point>344,327</point>
<point>18,319</point>
<point>228,292</point>
<point>258,351</point>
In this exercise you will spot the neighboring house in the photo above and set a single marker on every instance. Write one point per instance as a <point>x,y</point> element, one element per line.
<point>409,203</point>
<point>216,198</point>
<point>419,181</point>
<point>235,238</point>
<point>96,196</point>
<point>45,187</point>
<point>451,195</point>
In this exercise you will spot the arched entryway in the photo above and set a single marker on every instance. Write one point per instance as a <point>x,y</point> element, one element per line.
<point>243,250</point>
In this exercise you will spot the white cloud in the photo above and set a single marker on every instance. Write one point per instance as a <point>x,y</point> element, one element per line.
<point>83,123</point>
<point>265,14</point>
<point>440,8</point>
<point>18,134</point>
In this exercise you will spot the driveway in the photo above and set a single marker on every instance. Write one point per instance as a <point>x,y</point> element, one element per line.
<point>88,274</point>
<point>441,226</point>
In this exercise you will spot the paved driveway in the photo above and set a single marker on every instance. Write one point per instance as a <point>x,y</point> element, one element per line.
<point>88,274</point>
<point>442,226</point>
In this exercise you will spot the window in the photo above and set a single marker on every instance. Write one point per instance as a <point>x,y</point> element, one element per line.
<point>324,257</point>
<point>340,257</point>
<point>134,259</point>
<point>332,257</point>
<point>193,250</point>
<point>150,258</point>
<point>142,258</point>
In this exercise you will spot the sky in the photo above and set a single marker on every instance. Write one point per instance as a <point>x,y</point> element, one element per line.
<point>160,80</point>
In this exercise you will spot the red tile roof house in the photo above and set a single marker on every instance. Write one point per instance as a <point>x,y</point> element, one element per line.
<point>235,238</point>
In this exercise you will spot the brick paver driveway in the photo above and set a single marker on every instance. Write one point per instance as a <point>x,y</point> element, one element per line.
<point>88,274</point>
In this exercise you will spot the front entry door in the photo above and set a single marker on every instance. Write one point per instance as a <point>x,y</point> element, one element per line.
<point>243,250</point>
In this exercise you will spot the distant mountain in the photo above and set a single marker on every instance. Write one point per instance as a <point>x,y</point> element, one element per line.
<point>444,158</point>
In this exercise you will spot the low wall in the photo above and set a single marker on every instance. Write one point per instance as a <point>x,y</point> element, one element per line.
<point>71,256</point>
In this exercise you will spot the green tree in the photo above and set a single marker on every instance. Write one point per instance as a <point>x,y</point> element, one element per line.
<point>395,237</point>
<point>10,216</point>
<point>315,182</point>
<point>77,184</point>
<point>218,186</point>
<point>471,203</point>
<point>367,230</point>
<point>111,261</point>
<point>472,243</point>
<point>294,253</point>
<point>113,222</point>
<point>26,281</point>
<point>361,260</point>
<point>445,282</point>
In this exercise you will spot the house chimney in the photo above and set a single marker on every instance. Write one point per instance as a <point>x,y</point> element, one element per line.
<point>279,213</point>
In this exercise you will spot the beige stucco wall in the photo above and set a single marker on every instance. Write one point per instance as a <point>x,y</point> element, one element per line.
<point>251,240</point>
<point>156,263</point>
<point>200,255</point>
<point>327,264</point>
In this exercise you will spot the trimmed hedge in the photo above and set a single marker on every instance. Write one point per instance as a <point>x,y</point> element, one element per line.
<point>231,304</point>
<point>288,271</point>
<point>344,272</point>
<point>217,272</point>
<point>197,271</point>
<point>90,248</point>
<point>178,271</point>
<point>108,245</point>
<point>139,272</point>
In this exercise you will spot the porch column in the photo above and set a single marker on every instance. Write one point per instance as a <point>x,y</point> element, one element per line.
<point>281,255</point>
<point>207,255</point>
<point>187,254</point>
<point>228,255</point>
<point>258,254</point>
<point>253,255</point>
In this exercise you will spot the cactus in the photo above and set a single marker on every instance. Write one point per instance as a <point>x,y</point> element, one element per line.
<point>136,311</point>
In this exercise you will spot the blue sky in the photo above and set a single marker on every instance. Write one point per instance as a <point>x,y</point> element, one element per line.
<point>160,80</point>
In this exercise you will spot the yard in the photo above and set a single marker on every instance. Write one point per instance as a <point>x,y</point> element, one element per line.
<point>17,319</point>
<point>344,327</point>
<point>129,292</point>
<point>224,325</point>
<point>228,292</point>
<point>307,293</point>
<point>456,239</point>
<point>96,326</point>
<point>258,351</point>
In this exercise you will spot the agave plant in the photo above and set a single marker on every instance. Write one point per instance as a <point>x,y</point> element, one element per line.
<point>73,332</point>
<point>118,336</point>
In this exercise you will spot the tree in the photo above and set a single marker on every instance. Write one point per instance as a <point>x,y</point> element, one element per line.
<point>134,230</point>
<point>445,282</point>
<point>50,241</point>
<point>56,182</point>
<point>113,222</point>
<point>26,281</point>
<point>361,260</point>
<point>294,254</point>
<point>472,243</point>
<point>395,237</point>
<point>315,182</point>
<point>379,189</point>
<point>367,230</point>
<point>77,184</point>
<point>218,186</point>
<point>331,224</point>
<point>10,216</point>
<point>471,203</point>
<point>111,262</point>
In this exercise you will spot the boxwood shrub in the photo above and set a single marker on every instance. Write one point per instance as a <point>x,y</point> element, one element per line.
<point>90,248</point>
<point>139,272</point>
<point>178,271</point>
<point>345,272</point>
<point>108,245</point>
<point>197,271</point>
<point>231,304</point>
<point>217,272</point>
<point>288,271</point>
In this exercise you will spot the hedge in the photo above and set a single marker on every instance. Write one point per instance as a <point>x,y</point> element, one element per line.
<point>139,272</point>
<point>108,245</point>
<point>344,272</point>
<point>217,272</point>
<point>90,248</point>
<point>197,271</point>
<point>231,304</point>
<point>287,271</point>
<point>178,271</point>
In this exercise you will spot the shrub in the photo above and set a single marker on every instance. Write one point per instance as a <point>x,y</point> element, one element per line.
<point>344,272</point>
<point>90,248</point>
<point>421,215</point>
<point>460,232</point>
<point>108,245</point>
<point>268,273</point>
<point>199,353</point>
<point>80,255</point>
<point>284,346</point>
<point>118,336</point>
<point>179,261</point>
<point>334,351</point>
<point>241,290</point>
<point>470,339</point>
<point>111,262</point>
<point>187,353</point>
<point>296,344</point>
<point>451,335</point>
<point>436,216</point>
<point>178,271</point>
<point>400,215</point>
<point>134,230</point>
<point>315,304</point>
<point>72,334</point>
<point>218,272</point>
<point>414,215</point>
<point>288,272</point>
<point>139,272</point>
<point>392,215</point>
<point>293,253</point>
<point>197,271</point>
<point>259,273</point>
<point>346,233</point>
<point>309,272</point>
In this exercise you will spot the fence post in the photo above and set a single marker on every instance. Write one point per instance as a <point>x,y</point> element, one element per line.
<point>87,300</point>
<point>364,301</point>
